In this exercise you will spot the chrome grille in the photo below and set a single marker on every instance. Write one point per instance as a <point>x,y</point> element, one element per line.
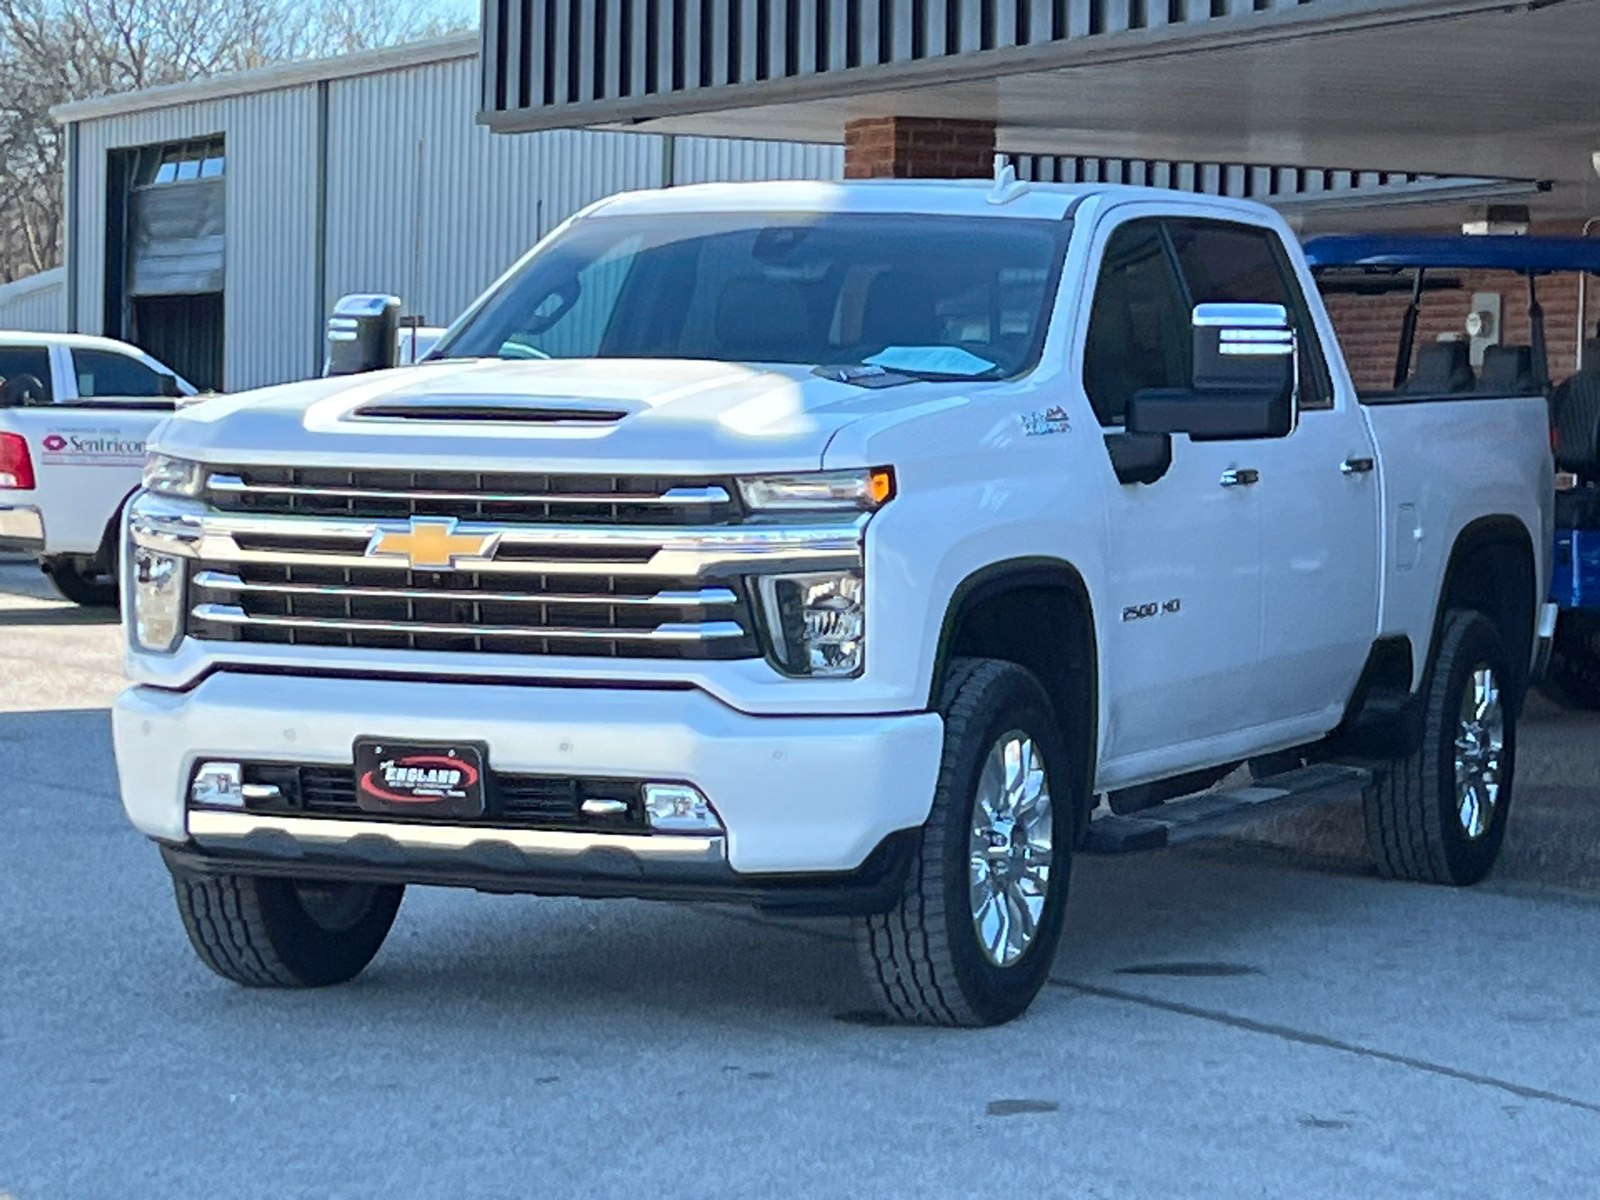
<point>475,496</point>
<point>380,607</point>
<point>571,587</point>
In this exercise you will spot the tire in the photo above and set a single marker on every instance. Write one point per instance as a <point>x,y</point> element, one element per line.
<point>1572,679</point>
<point>279,933</point>
<point>1419,826</point>
<point>924,960</point>
<point>81,584</point>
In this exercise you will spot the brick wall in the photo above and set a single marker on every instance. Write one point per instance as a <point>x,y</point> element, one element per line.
<point>918,148</point>
<point>1369,326</point>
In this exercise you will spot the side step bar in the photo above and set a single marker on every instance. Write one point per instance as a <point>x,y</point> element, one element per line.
<point>1214,814</point>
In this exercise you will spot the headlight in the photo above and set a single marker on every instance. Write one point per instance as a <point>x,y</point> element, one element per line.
<point>168,476</point>
<point>156,581</point>
<point>862,490</point>
<point>817,623</point>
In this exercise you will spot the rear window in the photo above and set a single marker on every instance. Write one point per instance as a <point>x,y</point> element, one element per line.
<point>25,375</point>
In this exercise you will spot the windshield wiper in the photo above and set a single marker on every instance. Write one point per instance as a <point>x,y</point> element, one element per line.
<point>989,373</point>
<point>870,375</point>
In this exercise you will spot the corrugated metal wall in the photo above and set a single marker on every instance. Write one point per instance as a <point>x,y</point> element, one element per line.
<point>718,160</point>
<point>36,304</point>
<point>426,204</point>
<point>270,305</point>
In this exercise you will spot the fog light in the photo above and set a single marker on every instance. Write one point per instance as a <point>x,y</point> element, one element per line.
<point>679,808</point>
<point>218,785</point>
<point>816,622</point>
<point>157,585</point>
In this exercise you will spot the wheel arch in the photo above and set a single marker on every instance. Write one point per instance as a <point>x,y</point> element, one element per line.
<point>1493,569</point>
<point>995,612</point>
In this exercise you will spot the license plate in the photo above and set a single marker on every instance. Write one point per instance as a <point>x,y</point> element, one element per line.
<point>420,780</point>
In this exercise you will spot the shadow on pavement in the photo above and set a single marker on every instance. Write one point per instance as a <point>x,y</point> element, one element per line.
<point>58,616</point>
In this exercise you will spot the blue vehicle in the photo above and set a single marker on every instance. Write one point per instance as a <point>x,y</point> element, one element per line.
<point>1421,265</point>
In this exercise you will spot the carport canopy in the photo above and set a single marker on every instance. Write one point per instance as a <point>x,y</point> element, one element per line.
<point>1446,87</point>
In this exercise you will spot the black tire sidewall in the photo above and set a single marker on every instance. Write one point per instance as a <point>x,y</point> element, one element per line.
<point>1476,645</point>
<point>1573,677</point>
<point>318,957</point>
<point>1011,699</point>
<point>70,581</point>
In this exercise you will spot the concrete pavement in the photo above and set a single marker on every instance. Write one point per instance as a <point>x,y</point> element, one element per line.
<point>1218,1025</point>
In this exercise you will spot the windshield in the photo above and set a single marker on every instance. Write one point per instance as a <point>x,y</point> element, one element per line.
<point>943,296</point>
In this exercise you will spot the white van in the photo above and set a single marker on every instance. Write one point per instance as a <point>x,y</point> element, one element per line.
<point>75,413</point>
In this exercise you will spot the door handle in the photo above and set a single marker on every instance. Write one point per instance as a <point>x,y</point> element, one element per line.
<point>1356,466</point>
<point>1240,476</point>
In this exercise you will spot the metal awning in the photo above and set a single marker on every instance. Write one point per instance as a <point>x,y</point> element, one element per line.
<point>1447,87</point>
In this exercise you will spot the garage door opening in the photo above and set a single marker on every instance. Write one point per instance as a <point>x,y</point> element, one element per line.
<point>166,217</point>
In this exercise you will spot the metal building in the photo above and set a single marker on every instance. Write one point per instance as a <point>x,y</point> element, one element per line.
<point>214,223</point>
<point>35,302</point>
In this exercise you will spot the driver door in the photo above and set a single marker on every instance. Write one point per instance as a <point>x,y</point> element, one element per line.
<point>1181,638</point>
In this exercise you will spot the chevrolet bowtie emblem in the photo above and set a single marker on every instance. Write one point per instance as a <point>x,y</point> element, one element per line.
<point>431,543</point>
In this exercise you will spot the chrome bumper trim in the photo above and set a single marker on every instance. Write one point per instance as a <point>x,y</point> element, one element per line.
<point>365,841</point>
<point>22,524</point>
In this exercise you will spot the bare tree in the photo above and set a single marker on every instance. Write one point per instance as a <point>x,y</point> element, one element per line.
<point>53,51</point>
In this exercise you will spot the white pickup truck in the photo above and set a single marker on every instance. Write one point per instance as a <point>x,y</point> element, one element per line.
<point>75,412</point>
<point>826,548</point>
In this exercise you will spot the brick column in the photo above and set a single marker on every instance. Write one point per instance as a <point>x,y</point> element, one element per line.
<point>918,148</point>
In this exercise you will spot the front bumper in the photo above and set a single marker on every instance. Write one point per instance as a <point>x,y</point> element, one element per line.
<point>21,529</point>
<point>798,796</point>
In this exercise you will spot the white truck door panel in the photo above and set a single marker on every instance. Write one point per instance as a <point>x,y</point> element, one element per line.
<point>86,459</point>
<point>1183,645</point>
<point>1320,542</point>
<point>1181,648</point>
<point>1317,489</point>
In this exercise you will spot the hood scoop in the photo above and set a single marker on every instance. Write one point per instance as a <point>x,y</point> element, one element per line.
<point>491,409</point>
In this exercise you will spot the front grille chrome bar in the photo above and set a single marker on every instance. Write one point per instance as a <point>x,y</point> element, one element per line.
<point>233,485</point>
<point>218,581</point>
<point>682,551</point>
<point>703,631</point>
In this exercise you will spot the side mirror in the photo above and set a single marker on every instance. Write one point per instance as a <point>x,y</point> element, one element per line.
<point>169,386</point>
<point>361,334</point>
<point>1243,382</point>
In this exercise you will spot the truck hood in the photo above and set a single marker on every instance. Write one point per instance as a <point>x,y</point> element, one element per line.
<point>579,415</point>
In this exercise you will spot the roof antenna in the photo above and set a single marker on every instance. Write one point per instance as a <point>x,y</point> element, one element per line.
<point>1006,185</point>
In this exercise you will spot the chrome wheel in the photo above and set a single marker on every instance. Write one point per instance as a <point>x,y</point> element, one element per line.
<point>1480,745</point>
<point>1012,847</point>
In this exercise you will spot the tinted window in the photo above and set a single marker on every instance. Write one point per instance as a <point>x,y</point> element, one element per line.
<point>1224,263</point>
<point>25,375</point>
<point>106,373</point>
<point>1139,326</point>
<point>805,288</point>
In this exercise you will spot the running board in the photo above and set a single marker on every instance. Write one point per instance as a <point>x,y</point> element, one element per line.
<point>1214,814</point>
